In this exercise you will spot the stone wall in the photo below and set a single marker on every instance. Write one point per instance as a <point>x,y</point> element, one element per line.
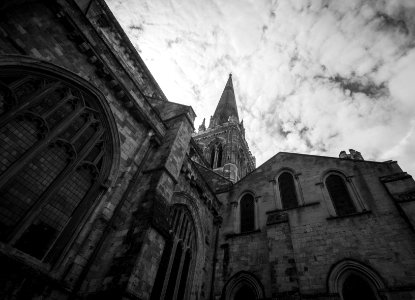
<point>303,243</point>
<point>126,231</point>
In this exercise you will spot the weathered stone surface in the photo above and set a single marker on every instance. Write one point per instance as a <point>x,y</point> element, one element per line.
<point>116,250</point>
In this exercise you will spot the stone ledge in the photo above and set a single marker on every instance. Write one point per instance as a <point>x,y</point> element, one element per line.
<point>233,235</point>
<point>291,208</point>
<point>395,177</point>
<point>365,212</point>
<point>405,197</point>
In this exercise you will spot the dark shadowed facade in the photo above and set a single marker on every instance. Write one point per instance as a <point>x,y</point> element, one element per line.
<point>107,192</point>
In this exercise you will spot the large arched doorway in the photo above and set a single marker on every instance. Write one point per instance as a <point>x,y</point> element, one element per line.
<point>245,293</point>
<point>356,287</point>
<point>57,146</point>
<point>352,280</point>
<point>243,286</point>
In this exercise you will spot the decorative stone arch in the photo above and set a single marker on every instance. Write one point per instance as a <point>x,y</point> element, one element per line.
<point>191,204</point>
<point>44,68</point>
<point>243,279</point>
<point>340,271</point>
<point>297,183</point>
<point>350,186</point>
<point>76,118</point>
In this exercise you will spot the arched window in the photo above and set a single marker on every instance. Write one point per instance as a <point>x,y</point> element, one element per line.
<point>172,279</point>
<point>243,285</point>
<point>212,157</point>
<point>55,152</point>
<point>287,190</point>
<point>247,208</point>
<point>339,195</point>
<point>220,152</point>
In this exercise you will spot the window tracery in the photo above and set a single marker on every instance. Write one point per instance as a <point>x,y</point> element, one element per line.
<point>54,155</point>
<point>172,279</point>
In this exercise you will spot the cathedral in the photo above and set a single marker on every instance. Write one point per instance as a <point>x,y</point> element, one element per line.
<point>108,191</point>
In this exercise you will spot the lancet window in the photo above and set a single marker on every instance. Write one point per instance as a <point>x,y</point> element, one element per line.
<point>287,190</point>
<point>247,212</point>
<point>340,195</point>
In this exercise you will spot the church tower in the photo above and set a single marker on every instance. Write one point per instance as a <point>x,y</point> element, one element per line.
<point>223,142</point>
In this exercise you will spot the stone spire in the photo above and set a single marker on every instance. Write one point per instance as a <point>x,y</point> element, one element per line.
<point>203,126</point>
<point>226,106</point>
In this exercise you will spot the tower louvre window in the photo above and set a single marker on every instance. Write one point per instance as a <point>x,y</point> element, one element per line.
<point>220,154</point>
<point>247,207</point>
<point>287,190</point>
<point>212,157</point>
<point>339,195</point>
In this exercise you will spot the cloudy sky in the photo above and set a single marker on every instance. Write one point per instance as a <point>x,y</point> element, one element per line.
<point>312,77</point>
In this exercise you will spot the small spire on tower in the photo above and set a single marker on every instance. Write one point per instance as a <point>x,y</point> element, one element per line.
<point>203,126</point>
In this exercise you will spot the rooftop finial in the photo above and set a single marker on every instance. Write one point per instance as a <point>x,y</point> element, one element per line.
<point>230,74</point>
<point>202,127</point>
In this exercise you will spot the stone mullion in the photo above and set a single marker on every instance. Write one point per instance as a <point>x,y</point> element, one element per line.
<point>185,230</point>
<point>52,189</point>
<point>34,100</point>
<point>98,157</point>
<point>19,82</point>
<point>187,238</point>
<point>67,233</point>
<point>190,276</point>
<point>175,220</point>
<point>39,146</point>
<point>167,277</point>
<point>56,107</point>
<point>180,226</point>
<point>81,130</point>
<point>179,272</point>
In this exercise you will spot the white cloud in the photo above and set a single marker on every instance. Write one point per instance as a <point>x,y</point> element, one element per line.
<point>310,76</point>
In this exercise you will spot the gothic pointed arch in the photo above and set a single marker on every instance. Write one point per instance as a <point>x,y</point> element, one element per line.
<point>59,149</point>
<point>351,279</point>
<point>183,253</point>
<point>243,282</point>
